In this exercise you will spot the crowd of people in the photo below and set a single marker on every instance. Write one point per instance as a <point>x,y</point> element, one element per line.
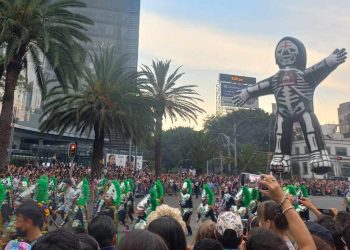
<point>65,207</point>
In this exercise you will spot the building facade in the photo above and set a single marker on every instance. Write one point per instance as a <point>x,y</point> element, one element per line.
<point>344,119</point>
<point>338,149</point>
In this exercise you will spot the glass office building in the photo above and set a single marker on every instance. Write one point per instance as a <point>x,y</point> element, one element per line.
<point>116,24</point>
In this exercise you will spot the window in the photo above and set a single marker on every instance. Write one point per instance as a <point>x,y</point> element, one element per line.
<point>306,150</point>
<point>341,151</point>
<point>328,150</point>
<point>305,168</point>
<point>297,150</point>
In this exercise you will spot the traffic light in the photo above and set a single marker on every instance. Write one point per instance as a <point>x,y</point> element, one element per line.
<point>72,150</point>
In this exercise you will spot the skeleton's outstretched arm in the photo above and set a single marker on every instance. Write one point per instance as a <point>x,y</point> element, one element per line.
<point>260,89</point>
<point>318,72</point>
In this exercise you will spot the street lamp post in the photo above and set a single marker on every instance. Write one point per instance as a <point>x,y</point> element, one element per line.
<point>235,127</point>
<point>228,141</point>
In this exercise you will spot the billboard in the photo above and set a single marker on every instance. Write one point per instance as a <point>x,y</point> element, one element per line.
<point>231,85</point>
<point>123,160</point>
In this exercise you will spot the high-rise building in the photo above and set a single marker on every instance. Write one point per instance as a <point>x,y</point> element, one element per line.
<point>344,119</point>
<point>116,23</point>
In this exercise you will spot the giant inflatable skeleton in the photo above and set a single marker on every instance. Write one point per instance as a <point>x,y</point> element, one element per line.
<point>294,86</point>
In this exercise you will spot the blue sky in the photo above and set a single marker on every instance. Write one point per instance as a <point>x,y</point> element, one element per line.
<point>208,37</point>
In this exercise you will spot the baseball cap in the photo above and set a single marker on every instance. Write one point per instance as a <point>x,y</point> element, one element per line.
<point>229,220</point>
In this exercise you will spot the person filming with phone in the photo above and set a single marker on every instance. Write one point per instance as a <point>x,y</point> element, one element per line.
<point>280,216</point>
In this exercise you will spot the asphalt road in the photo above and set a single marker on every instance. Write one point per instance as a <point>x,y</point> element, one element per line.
<point>319,201</point>
<point>173,201</point>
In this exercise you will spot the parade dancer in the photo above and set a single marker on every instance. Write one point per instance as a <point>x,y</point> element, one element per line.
<point>110,202</point>
<point>186,204</point>
<point>102,188</point>
<point>2,198</point>
<point>129,200</point>
<point>41,197</point>
<point>205,209</point>
<point>147,205</point>
<point>227,200</point>
<point>79,212</point>
<point>122,210</point>
<point>246,202</point>
<point>7,202</point>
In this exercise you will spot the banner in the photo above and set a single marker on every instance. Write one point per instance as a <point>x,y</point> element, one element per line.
<point>124,160</point>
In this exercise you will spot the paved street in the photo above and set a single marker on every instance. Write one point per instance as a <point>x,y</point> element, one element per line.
<point>320,202</point>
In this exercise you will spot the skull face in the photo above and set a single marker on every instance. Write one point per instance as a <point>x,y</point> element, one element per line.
<point>287,53</point>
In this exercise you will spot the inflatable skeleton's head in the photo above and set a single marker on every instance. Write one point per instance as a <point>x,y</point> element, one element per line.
<point>290,52</point>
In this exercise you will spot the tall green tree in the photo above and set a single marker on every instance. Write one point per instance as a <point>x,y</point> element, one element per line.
<point>109,103</point>
<point>254,127</point>
<point>250,160</point>
<point>31,30</point>
<point>170,100</point>
<point>201,147</point>
<point>174,144</point>
<point>254,134</point>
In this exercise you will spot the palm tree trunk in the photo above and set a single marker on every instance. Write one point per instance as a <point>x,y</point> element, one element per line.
<point>97,153</point>
<point>12,72</point>
<point>158,144</point>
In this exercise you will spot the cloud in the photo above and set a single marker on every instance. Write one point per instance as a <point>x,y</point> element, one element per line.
<point>204,49</point>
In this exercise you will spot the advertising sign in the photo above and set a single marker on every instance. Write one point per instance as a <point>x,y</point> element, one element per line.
<point>124,160</point>
<point>231,85</point>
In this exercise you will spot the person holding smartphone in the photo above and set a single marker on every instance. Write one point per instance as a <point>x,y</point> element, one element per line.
<point>296,226</point>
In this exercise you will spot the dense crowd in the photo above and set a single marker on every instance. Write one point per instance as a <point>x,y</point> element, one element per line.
<point>275,223</point>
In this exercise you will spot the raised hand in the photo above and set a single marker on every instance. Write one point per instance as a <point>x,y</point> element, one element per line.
<point>337,57</point>
<point>238,101</point>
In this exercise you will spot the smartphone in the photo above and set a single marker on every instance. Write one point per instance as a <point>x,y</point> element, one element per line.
<point>326,211</point>
<point>249,179</point>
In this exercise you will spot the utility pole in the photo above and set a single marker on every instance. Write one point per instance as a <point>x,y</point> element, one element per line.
<point>229,155</point>
<point>221,162</point>
<point>135,167</point>
<point>235,148</point>
<point>207,167</point>
<point>130,143</point>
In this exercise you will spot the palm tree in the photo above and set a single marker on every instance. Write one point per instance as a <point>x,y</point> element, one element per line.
<point>110,102</point>
<point>31,30</point>
<point>169,100</point>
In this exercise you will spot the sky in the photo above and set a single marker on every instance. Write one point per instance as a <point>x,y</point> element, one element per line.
<point>208,37</point>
